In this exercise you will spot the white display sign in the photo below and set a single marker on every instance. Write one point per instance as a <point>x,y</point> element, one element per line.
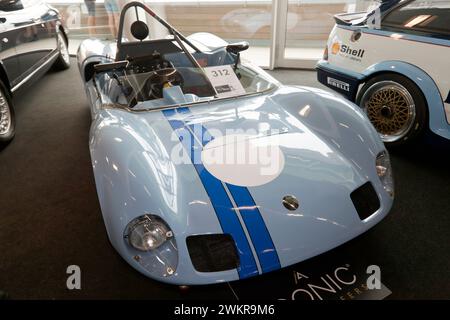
<point>225,81</point>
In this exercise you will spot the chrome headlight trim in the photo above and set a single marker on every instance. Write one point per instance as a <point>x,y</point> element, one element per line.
<point>147,232</point>
<point>152,245</point>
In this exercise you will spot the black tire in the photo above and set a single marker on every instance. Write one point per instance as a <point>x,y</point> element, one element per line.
<point>403,115</point>
<point>6,113</point>
<point>63,60</point>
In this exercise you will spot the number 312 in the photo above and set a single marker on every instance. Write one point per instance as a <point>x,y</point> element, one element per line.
<point>220,73</point>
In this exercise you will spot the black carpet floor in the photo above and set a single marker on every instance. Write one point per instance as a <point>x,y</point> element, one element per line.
<point>50,216</point>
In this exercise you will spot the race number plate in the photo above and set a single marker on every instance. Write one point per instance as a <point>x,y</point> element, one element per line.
<point>225,81</point>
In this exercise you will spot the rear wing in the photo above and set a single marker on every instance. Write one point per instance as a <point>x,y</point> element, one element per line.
<point>350,19</point>
<point>377,12</point>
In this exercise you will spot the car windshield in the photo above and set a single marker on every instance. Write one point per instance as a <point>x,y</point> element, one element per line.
<point>139,89</point>
<point>156,73</point>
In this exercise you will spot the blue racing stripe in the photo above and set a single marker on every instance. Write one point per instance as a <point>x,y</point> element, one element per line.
<point>262,241</point>
<point>219,198</point>
<point>256,227</point>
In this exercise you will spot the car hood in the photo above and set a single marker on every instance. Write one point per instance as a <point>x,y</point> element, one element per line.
<point>321,149</point>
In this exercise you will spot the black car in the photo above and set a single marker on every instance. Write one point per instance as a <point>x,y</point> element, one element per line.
<point>32,39</point>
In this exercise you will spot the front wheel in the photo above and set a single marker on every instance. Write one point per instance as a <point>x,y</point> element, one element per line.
<point>7,119</point>
<point>63,60</point>
<point>395,106</point>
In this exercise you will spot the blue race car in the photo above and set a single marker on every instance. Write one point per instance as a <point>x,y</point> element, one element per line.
<point>393,62</point>
<point>209,170</point>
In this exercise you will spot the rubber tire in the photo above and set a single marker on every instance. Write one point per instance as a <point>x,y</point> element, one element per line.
<point>6,138</point>
<point>60,64</point>
<point>421,120</point>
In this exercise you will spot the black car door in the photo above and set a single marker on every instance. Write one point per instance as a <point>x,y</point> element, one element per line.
<point>8,39</point>
<point>37,37</point>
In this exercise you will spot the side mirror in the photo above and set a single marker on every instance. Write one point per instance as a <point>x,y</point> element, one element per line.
<point>237,47</point>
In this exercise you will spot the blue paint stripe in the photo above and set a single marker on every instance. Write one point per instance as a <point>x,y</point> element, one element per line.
<point>183,110</point>
<point>256,227</point>
<point>219,198</point>
<point>262,241</point>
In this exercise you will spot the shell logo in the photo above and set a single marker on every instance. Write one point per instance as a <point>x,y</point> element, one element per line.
<point>335,48</point>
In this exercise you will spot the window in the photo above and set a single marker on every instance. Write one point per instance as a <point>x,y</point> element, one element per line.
<point>10,5</point>
<point>421,17</point>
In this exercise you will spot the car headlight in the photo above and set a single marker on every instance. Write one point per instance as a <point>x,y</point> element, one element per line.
<point>147,233</point>
<point>152,245</point>
<point>384,172</point>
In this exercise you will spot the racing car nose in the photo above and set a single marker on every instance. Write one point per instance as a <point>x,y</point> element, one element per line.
<point>319,201</point>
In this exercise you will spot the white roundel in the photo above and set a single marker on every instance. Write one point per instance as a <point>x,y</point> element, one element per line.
<point>243,160</point>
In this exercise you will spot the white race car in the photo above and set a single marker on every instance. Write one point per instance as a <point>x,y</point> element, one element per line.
<point>394,63</point>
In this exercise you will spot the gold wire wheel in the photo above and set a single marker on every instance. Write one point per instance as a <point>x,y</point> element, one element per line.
<point>390,108</point>
<point>5,115</point>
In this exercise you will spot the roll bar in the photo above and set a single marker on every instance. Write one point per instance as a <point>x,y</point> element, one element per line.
<point>136,4</point>
<point>179,38</point>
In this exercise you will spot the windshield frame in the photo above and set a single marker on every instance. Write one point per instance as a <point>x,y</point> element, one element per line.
<point>175,106</point>
<point>275,85</point>
<point>259,88</point>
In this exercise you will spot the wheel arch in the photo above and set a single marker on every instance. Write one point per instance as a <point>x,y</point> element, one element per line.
<point>125,168</point>
<point>61,28</point>
<point>437,120</point>
<point>4,78</point>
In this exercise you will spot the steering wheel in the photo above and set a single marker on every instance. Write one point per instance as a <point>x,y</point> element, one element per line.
<point>158,79</point>
<point>148,63</point>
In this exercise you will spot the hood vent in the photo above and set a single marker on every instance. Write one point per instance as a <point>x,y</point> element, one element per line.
<point>365,200</point>
<point>212,252</point>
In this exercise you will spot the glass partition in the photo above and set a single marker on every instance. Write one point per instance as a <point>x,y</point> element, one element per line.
<point>232,20</point>
<point>297,35</point>
<point>303,34</point>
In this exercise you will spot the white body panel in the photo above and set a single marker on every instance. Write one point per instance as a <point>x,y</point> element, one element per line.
<point>433,59</point>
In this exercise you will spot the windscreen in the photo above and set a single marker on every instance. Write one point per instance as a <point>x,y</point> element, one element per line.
<point>144,86</point>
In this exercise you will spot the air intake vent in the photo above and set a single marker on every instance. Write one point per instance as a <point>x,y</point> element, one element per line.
<point>212,252</point>
<point>365,200</point>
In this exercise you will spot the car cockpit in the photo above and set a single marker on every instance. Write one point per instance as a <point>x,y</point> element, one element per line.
<point>145,68</point>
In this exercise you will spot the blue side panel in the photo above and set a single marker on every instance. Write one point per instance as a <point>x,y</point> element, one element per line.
<point>222,205</point>
<point>265,249</point>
